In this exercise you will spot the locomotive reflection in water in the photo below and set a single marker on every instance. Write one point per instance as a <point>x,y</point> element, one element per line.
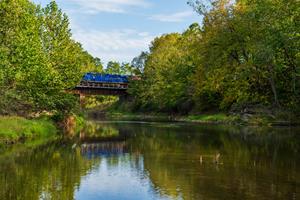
<point>101,141</point>
<point>102,149</point>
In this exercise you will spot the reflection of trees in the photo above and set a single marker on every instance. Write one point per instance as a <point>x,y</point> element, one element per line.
<point>256,163</point>
<point>96,130</point>
<point>253,163</point>
<point>49,172</point>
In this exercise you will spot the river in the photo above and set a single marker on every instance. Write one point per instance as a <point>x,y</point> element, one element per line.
<point>157,161</point>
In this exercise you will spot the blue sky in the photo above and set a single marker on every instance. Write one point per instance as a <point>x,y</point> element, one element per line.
<point>119,30</point>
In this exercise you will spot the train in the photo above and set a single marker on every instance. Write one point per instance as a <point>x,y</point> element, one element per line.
<point>105,78</point>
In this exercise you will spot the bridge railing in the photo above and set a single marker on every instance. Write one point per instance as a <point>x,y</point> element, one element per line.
<point>102,85</point>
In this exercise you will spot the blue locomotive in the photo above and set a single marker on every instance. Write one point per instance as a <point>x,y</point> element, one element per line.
<point>105,78</point>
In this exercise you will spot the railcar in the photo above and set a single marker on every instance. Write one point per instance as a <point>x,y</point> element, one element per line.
<point>98,80</point>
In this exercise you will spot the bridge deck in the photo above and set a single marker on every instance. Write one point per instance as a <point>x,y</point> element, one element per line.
<point>101,88</point>
<point>102,85</point>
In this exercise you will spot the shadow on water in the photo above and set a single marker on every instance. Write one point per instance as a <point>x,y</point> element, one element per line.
<point>122,160</point>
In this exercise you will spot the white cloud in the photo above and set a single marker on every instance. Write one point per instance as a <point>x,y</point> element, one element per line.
<point>175,17</point>
<point>117,45</point>
<point>112,6</point>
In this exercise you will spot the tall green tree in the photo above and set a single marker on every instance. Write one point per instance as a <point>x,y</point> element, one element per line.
<point>64,54</point>
<point>113,68</point>
<point>248,55</point>
<point>166,84</point>
<point>120,69</point>
<point>22,58</point>
<point>39,59</point>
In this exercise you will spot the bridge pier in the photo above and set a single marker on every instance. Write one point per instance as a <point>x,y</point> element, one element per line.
<point>82,100</point>
<point>123,97</point>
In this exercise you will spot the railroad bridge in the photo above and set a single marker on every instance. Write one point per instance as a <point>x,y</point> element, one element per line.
<point>102,84</point>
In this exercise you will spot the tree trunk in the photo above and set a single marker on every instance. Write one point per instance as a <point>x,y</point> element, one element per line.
<point>273,86</point>
<point>290,59</point>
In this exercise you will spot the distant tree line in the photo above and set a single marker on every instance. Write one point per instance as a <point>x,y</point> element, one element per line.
<point>244,52</point>
<point>39,60</point>
<point>124,68</point>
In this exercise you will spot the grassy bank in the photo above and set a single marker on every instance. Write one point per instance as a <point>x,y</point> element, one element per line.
<point>218,118</point>
<point>259,119</point>
<point>14,129</point>
<point>127,116</point>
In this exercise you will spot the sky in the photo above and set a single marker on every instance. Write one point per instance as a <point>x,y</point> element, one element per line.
<point>118,30</point>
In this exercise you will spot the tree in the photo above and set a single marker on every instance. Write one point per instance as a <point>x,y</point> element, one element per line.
<point>166,84</point>
<point>23,65</point>
<point>138,63</point>
<point>113,68</point>
<point>119,69</point>
<point>98,64</point>
<point>39,60</point>
<point>245,58</point>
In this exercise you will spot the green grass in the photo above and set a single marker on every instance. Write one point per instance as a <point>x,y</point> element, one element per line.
<point>127,116</point>
<point>203,118</point>
<point>13,129</point>
<point>285,118</point>
<point>213,118</point>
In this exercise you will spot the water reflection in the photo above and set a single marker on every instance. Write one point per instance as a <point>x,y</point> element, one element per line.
<point>102,149</point>
<point>98,132</point>
<point>48,172</point>
<point>158,161</point>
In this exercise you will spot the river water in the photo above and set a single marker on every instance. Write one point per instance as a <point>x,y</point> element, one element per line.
<point>145,161</point>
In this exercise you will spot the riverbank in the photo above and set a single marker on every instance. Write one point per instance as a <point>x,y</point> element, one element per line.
<point>260,119</point>
<point>218,118</point>
<point>16,129</point>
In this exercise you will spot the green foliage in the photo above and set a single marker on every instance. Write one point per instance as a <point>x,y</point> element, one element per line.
<point>120,69</point>
<point>247,55</point>
<point>100,102</point>
<point>165,84</point>
<point>245,52</point>
<point>39,60</point>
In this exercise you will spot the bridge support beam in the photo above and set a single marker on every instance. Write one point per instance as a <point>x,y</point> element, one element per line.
<point>93,91</point>
<point>82,100</point>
